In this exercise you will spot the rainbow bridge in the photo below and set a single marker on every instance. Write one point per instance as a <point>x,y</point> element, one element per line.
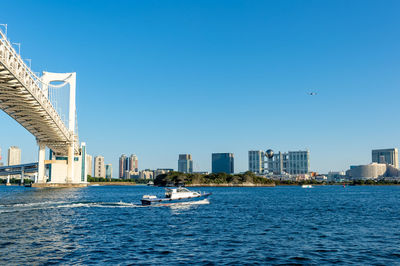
<point>32,101</point>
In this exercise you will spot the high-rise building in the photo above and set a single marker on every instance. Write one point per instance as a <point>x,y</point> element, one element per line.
<point>121,166</point>
<point>256,161</point>
<point>185,163</point>
<point>388,156</point>
<point>133,163</point>
<point>108,171</point>
<point>89,165</point>
<point>84,163</point>
<point>126,169</point>
<point>99,168</point>
<point>278,163</point>
<point>299,162</point>
<point>222,163</point>
<point>14,155</point>
<point>293,162</point>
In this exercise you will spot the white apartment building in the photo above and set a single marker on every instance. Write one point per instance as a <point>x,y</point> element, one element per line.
<point>292,162</point>
<point>256,161</point>
<point>89,165</point>
<point>99,167</point>
<point>14,155</point>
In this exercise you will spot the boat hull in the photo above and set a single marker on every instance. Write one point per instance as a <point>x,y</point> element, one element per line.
<point>170,201</point>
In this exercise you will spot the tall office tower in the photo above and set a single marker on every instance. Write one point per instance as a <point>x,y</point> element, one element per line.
<point>121,165</point>
<point>389,156</point>
<point>133,163</point>
<point>89,165</point>
<point>256,161</point>
<point>278,163</point>
<point>108,171</point>
<point>185,163</point>
<point>99,168</point>
<point>0,155</point>
<point>222,163</point>
<point>127,174</point>
<point>14,155</point>
<point>299,162</point>
<point>84,162</point>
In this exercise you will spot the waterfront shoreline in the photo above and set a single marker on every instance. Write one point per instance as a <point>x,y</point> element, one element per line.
<point>113,183</point>
<point>231,185</point>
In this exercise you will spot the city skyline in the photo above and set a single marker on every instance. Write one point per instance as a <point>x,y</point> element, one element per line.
<point>234,94</point>
<point>257,162</point>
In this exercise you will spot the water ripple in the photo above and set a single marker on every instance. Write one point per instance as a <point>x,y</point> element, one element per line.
<point>281,225</point>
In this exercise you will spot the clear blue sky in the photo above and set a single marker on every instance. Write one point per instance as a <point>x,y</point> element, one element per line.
<point>159,78</point>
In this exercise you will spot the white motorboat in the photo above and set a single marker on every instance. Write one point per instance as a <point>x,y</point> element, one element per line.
<point>306,186</point>
<point>173,195</point>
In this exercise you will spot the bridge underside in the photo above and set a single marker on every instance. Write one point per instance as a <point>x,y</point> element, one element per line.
<point>21,105</point>
<point>24,97</point>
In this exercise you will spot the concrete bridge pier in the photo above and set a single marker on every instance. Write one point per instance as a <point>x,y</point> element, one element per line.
<point>41,158</point>
<point>22,176</point>
<point>70,165</point>
<point>8,181</point>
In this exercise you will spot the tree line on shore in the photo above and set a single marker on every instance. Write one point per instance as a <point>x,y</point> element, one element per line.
<point>177,178</point>
<point>102,179</point>
<point>16,181</point>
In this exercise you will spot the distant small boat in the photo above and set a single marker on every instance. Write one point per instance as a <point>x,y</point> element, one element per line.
<point>306,186</point>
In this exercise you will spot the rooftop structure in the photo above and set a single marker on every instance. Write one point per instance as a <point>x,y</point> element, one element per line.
<point>386,156</point>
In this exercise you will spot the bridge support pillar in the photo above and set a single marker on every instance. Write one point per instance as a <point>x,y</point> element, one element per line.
<point>70,169</point>
<point>41,168</point>
<point>8,181</point>
<point>22,176</point>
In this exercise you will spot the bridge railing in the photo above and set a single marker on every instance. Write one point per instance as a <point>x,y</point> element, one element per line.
<point>14,63</point>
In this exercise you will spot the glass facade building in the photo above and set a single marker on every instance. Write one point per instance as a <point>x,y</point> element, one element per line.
<point>108,171</point>
<point>185,163</point>
<point>222,163</point>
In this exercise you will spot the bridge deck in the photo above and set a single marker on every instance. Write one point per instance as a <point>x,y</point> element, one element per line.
<point>21,98</point>
<point>17,169</point>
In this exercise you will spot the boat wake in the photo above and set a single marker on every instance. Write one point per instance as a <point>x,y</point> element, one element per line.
<point>184,204</point>
<point>23,207</point>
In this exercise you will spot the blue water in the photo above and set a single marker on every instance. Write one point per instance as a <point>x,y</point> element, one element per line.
<point>281,225</point>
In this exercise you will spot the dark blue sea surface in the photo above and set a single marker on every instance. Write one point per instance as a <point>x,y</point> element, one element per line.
<point>279,225</point>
